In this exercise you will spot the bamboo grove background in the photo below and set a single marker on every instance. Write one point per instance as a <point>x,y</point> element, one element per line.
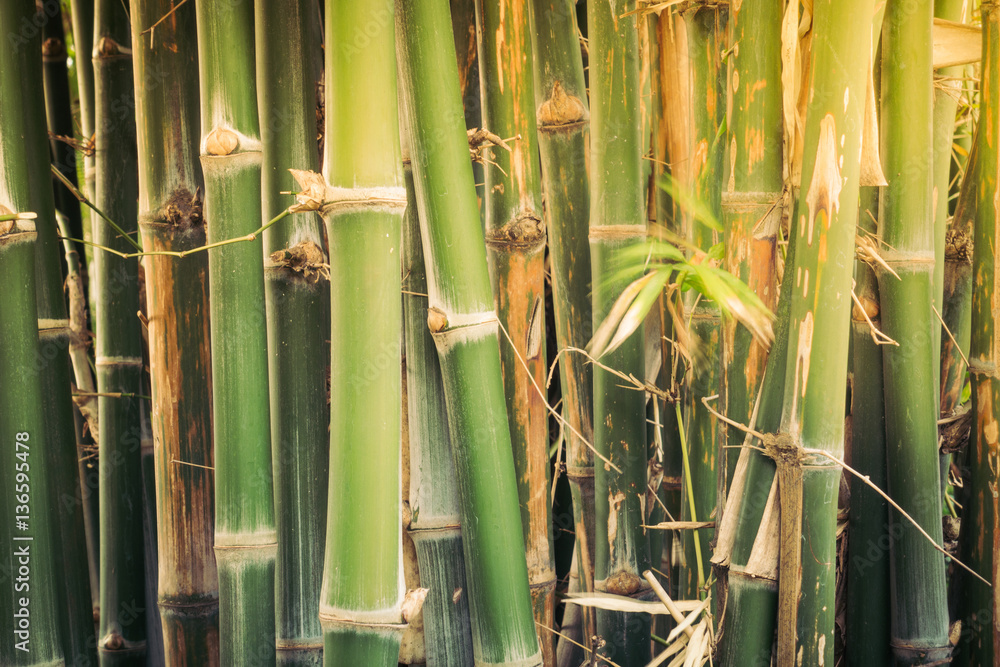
<point>499,332</point>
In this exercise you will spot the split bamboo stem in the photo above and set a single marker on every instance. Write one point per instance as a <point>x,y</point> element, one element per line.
<point>706,36</point>
<point>752,199</point>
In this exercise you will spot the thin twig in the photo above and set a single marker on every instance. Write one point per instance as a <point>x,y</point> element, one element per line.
<point>948,331</point>
<point>548,407</point>
<point>196,465</point>
<point>76,193</point>
<point>574,642</point>
<point>877,336</point>
<point>163,18</point>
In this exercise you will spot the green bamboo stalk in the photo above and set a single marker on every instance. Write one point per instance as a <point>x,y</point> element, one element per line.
<point>118,347</point>
<point>867,620</point>
<point>811,412</point>
<point>433,494</point>
<point>819,333</point>
<point>362,594</point>
<point>617,223</point>
<point>463,322</point>
<point>463,21</point>
<point>980,641</point>
<point>515,250</point>
<point>59,114</point>
<point>563,125</point>
<point>32,533</point>
<point>82,17</point>
<point>946,93</point>
<point>957,301</point>
<point>298,306</point>
<point>74,597</point>
<point>245,534</point>
<point>920,614</point>
<point>171,218</point>
<point>706,34</point>
<point>751,199</point>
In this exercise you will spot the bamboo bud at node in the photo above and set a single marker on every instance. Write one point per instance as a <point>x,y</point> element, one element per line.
<point>436,320</point>
<point>870,306</point>
<point>413,603</point>
<point>561,109</point>
<point>221,141</point>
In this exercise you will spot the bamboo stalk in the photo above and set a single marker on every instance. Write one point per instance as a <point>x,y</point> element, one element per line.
<point>362,594</point>
<point>751,199</point>
<point>118,347</point>
<point>515,250</point>
<point>563,124</point>
<point>617,223</point>
<point>463,322</point>
<point>920,618</point>
<point>36,618</point>
<point>980,642</point>
<point>815,382</point>
<point>433,494</point>
<point>463,21</point>
<point>74,597</point>
<point>82,14</point>
<point>298,306</point>
<point>245,534</point>
<point>32,531</point>
<point>171,218</point>
<point>706,34</point>
<point>956,308</point>
<point>867,620</point>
